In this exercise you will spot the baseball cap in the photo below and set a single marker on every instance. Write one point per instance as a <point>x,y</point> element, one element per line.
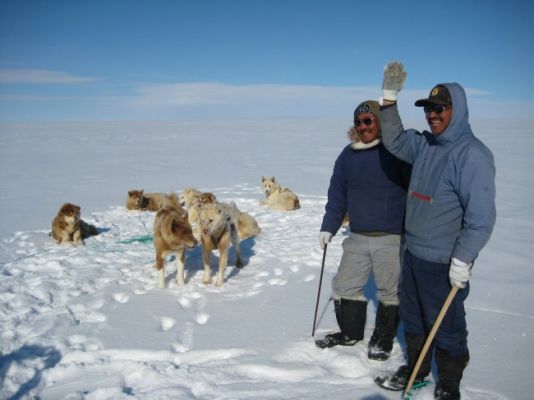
<point>438,95</point>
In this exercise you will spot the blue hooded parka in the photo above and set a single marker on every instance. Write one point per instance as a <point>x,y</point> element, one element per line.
<point>450,208</point>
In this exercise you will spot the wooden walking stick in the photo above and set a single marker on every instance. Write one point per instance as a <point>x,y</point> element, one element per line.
<point>430,338</point>
<point>319,291</point>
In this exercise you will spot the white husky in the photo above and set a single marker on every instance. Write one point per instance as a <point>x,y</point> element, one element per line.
<point>278,197</point>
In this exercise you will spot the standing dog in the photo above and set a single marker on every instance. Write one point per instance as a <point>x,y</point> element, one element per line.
<point>192,199</point>
<point>172,235</point>
<point>278,197</point>
<point>218,231</point>
<point>188,196</point>
<point>139,200</point>
<point>197,203</point>
<point>67,227</point>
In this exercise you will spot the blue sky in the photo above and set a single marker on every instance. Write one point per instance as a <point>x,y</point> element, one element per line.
<point>127,60</point>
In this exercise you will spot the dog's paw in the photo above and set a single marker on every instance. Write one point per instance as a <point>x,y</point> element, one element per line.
<point>220,280</point>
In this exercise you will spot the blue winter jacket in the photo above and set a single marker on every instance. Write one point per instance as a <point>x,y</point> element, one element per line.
<point>370,184</point>
<point>451,198</point>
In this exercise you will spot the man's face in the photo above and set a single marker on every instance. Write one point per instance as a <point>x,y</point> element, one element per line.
<point>370,132</point>
<point>438,118</point>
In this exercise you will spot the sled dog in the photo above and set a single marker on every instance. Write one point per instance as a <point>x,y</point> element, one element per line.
<point>278,197</point>
<point>188,196</point>
<point>197,203</point>
<point>68,227</point>
<point>247,226</point>
<point>192,199</point>
<point>218,230</point>
<point>172,235</point>
<point>139,200</point>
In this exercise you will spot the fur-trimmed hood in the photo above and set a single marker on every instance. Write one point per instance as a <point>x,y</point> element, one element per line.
<point>356,142</point>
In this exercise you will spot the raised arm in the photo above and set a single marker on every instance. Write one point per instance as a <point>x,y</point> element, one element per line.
<point>403,144</point>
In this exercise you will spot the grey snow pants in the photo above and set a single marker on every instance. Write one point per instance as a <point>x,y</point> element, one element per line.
<point>363,255</point>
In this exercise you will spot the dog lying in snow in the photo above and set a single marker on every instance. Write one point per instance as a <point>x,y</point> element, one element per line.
<point>172,235</point>
<point>67,227</point>
<point>278,197</point>
<point>139,200</point>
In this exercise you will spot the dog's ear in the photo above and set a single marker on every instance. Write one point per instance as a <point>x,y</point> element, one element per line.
<point>141,192</point>
<point>274,180</point>
<point>262,179</point>
<point>131,193</point>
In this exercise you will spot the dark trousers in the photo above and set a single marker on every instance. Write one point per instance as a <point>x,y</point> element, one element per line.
<point>424,286</point>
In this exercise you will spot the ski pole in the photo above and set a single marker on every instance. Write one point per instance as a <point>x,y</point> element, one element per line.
<point>430,338</point>
<point>319,291</point>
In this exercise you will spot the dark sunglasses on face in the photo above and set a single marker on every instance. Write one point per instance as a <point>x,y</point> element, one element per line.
<point>437,108</point>
<point>366,121</point>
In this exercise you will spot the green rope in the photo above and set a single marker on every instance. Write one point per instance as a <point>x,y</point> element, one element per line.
<point>137,239</point>
<point>416,386</point>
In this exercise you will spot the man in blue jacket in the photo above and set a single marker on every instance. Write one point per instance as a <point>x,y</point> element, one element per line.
<point>450,215</point>
<point>369,184</point>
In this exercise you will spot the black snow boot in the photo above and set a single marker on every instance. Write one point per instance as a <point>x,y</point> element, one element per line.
<point>381,343</point>
<point>351,316</point>
<point>450,372</point>
<point>399,379</point>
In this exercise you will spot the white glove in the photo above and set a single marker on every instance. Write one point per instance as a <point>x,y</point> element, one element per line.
<point>394,77</point>
<point>459,273</point>
<point>324,238</point>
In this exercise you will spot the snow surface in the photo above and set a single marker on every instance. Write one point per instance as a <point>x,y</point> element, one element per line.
<point>90,322</point>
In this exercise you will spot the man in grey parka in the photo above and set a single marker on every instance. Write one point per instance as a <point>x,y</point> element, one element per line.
<point>450,214</point>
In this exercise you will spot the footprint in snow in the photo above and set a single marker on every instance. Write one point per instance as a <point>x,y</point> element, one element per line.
<point>186,342</point>
<point>309,278</point>
<point>202,318</point>
<point>184,302</point>
<point>121,297</point>
<point>167,323</point>
<point>277,282</point>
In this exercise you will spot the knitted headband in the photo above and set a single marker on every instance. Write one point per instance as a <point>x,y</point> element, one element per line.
<point>363,108</point>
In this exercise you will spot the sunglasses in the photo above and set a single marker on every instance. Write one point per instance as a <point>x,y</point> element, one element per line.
<point>366,121</point>
<point>437,108</point>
